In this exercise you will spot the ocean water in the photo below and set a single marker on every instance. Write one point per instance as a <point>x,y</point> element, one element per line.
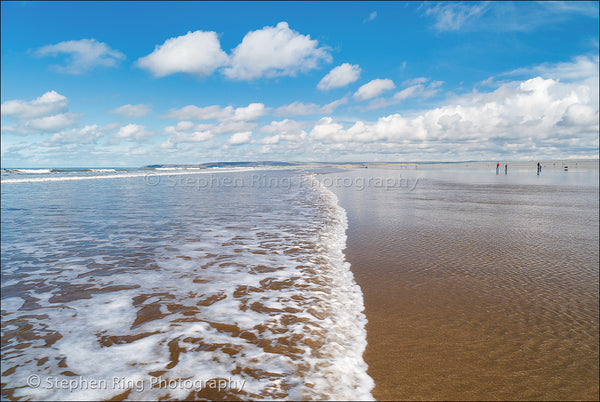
<point>215,283</point>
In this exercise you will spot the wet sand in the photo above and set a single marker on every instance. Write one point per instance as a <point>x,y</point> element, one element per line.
<point>477,287</point>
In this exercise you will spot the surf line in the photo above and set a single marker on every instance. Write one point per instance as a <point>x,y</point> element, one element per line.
<point>349,329</point>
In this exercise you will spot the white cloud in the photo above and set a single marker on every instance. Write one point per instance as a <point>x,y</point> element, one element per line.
<point>371,17</point>
<point>504,16</point>
<point>407,92</point>
<point>49,103</point>
<point>192,112</point>
<point>415,81</point>
<point>275,51</point>
<point>251,112</point>
<point>288,131</point>
<point>285,126</point>
<point>196,136</point>
<point>340,76</point>
<point>298,109</point>
<point>326,128</point>
<point>46,114</point>
<point>230,126</point>
<point>303,109</point>
<point>184,126</point>
<point>533,117</point>
<point>132,111</point>
<point>187,132</point>
<point>240,138</point>
<point>274,139</point>
<point>420,90</point>
<point>226,114</point>
<point>83,55</point>
<point>196,52</point>
<point>580,68</point>
<point>284,130</point>
<point>373,88</point>
<point>330,107</point>
<point>452,16</point>
<point>586,8</point>
<point>86,135</point>
<point>132,132</point>
<point>414,91</point>
<point>52,124</point>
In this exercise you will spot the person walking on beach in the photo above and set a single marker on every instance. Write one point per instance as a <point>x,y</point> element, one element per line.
<point>506,168</point>
<point>497,168</point>
<point>539,168</point>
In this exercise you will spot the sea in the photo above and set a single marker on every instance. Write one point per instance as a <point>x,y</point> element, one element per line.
<point>177,283</point>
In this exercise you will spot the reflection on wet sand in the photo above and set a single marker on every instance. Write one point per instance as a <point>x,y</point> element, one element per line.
<point>478,289</point>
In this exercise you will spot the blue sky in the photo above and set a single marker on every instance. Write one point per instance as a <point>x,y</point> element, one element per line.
<point>136,83</point>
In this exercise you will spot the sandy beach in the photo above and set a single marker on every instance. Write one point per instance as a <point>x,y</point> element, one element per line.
<point>477,286</point>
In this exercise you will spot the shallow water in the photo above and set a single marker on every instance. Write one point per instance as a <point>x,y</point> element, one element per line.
<point>220,285</point>
<point>477,286</point>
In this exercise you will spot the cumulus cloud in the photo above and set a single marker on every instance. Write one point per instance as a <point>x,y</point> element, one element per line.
<point>187,132</point>
<point>132,111</point>
<point>251,112</point>
<point>240,138</point>
<point>82,55</point>
<point>193,112</point>
<point>327,129</point>
<point>275,51</point>
<point>132,132</point>
<point>230,126</point>
<point>49,103</point>
<point>340,76</point>
<point>285,126</point>
<point>196,52</point>
<point>284,130</point>
<point>223,114</point>
<point>580,68</point>
<point>373,88</point>
<point>46,114</point>
<point>298,109</point>
<point>86,135</point>
<point>539,116</point>
<point>548,116</point>
<point>52,124</point>
<point>196,136</point>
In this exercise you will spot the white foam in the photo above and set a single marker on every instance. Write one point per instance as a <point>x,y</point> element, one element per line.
<point>12,303</point>
<point>147,174</point>
<point>231,253</point>
<point>32,171</point>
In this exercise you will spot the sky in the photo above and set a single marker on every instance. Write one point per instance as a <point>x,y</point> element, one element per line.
<point>128,84</point>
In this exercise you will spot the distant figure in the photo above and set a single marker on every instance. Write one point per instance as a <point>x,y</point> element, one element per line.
<point>498,168</point>
<point>506,168</point>
<point>539,168</point>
